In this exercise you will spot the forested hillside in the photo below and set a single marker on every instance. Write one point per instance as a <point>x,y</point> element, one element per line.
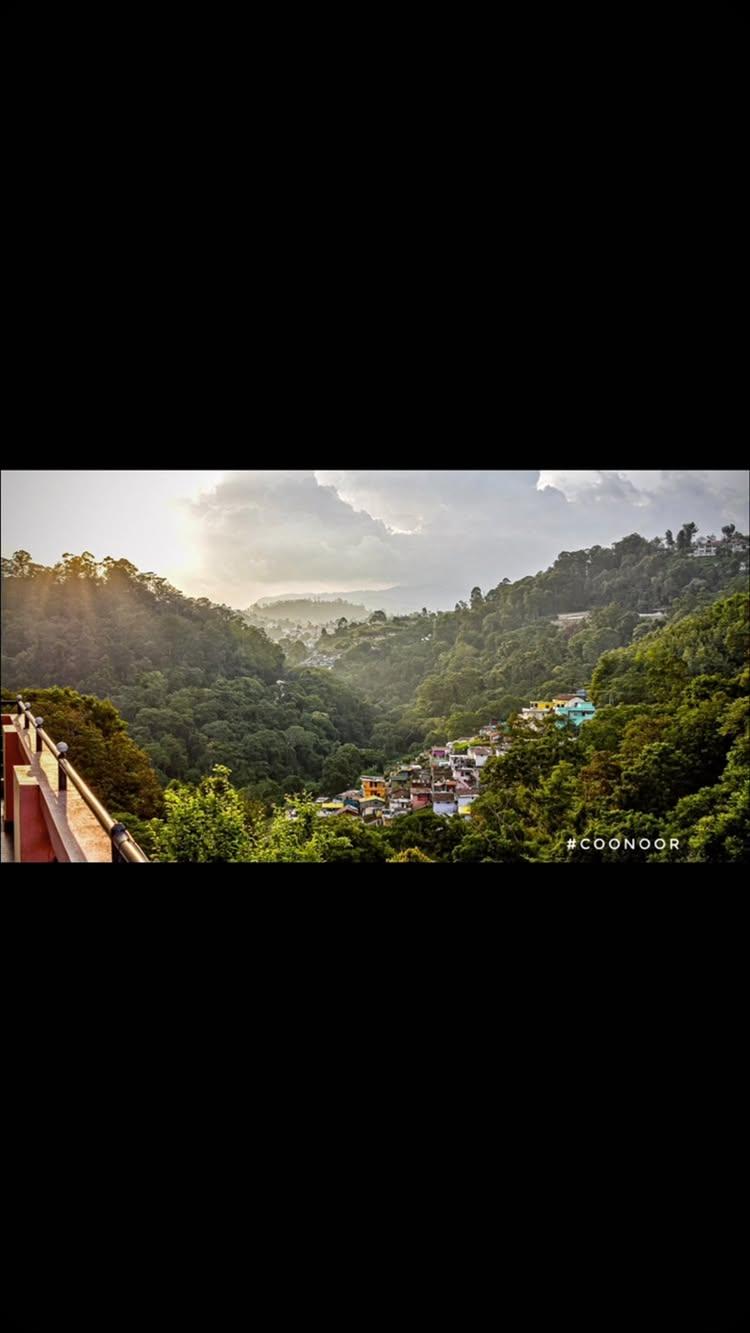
<point>662,777</point>
<point>666,756</point>
<point>196,685</point>
<point>97,627</point>
<point>439,675</point>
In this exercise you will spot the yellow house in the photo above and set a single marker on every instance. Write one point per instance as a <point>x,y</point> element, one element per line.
<point>374,787</point>
<point>542,705</point>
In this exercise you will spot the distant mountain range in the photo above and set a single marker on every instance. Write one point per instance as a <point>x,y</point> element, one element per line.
<point>396,600</point>
<point>263,603</point>
<point>304,611</point>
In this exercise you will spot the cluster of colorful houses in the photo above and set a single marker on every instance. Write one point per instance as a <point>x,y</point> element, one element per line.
<point>446,779</point>
<point>575,708</point>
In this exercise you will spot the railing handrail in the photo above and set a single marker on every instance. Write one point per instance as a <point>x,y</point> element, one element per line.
<point>124,845</point>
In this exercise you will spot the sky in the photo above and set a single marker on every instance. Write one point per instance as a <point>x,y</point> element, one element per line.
<point>236,536</point>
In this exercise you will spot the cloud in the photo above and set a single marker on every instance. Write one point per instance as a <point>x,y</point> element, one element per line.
<point>717,493</point>
<point>413,500</point>
<point>264,529</point>
<point>263,532</point>
<point>594,486</point>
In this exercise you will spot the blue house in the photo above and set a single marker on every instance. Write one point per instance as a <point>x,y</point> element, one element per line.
<point>577,711</point>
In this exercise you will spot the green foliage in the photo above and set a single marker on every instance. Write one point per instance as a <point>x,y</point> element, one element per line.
<point>141,830</point>
<point>426,831</point>
<point>668,760</point>
<point>196,685</point>
<point>206,823</point>
<point>298,833</point>
<point>713,824</point>
<point>462,724</point>
<point>488,659</point>
<point>92,626</point>
<point>714,643</point>
<point>410,854</point>
<point>342,769</point>
<point>502,839</point>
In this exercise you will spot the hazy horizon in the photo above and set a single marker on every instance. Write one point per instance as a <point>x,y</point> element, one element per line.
<point>239,537</point>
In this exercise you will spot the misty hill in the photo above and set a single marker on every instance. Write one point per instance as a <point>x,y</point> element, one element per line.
<point>306,610</point>
<point>395,600</point>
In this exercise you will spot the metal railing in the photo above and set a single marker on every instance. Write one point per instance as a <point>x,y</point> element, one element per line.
<point>124,846</point>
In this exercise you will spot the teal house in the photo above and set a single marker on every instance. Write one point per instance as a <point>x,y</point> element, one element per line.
<point>576,710</point>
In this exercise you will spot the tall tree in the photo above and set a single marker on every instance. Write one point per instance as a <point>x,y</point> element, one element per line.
<point>341,770</point>
<point>206,823</point>
<point>685,536</point>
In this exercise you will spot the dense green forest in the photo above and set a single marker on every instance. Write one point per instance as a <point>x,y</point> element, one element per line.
<point>666,755</point>
<point>207,699</point>
<point>668,759</point>
<point>196,685</point>
<point>437,676</point>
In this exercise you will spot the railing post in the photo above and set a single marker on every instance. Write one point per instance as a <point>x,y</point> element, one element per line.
<point>26,713</point>
<point>119,834</point>
<point>19,701</point>
<point>39,724</point>
<point>62,777</point>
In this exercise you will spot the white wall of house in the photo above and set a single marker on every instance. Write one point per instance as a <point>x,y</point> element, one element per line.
<point>445,807</point>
